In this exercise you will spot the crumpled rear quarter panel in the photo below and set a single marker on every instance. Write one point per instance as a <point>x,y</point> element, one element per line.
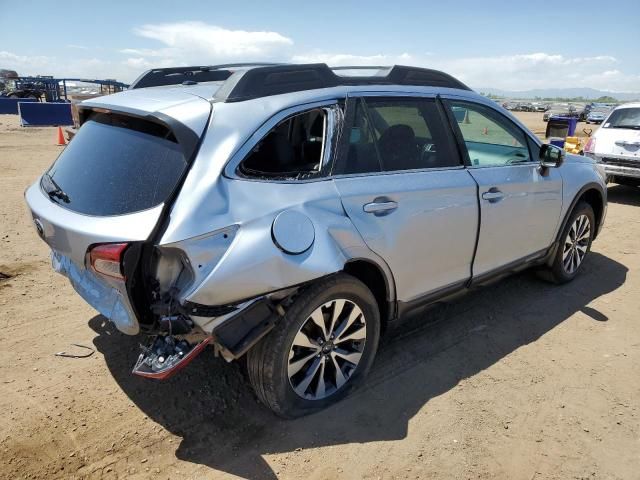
<point>253,264</point>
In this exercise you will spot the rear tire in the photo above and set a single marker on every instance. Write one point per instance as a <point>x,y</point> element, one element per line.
<point>300,367</point>
<point>574,245</point>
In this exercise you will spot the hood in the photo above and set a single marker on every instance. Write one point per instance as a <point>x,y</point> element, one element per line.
<point>573,158</point>
<point>617,141</point>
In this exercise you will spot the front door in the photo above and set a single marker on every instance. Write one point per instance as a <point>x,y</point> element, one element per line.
<point>519,204</point>
<point>402,184</point>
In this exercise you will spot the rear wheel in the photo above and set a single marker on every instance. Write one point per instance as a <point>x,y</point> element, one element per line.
<point>574,245</point>
<point>322,348</point>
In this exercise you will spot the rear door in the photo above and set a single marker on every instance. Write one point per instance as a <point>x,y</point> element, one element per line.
<point>402,184</point>
<point>519,205</point>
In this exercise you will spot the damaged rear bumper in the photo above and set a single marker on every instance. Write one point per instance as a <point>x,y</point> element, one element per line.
<point>235,333</point>
<point>107,297</point>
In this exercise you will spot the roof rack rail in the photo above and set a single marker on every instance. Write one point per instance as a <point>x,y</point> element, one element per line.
<point>263,81</point>
<point>201,73</point>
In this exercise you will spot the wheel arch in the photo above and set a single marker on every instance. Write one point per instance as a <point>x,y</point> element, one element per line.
<point>593,194</point>
<point>378,281</point>
<point>595,198</point>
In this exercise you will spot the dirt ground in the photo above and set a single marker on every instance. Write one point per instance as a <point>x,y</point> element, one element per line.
<point>520,380</point>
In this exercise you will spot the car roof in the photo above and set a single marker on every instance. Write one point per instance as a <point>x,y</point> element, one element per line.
<point>241,82</point>
<point>628,105</point>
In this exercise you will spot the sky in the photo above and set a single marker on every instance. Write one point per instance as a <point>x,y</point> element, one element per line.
<point>510,45</point>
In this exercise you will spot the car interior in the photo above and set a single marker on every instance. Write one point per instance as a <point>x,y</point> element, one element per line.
<point>394,136</point>
<point>293,149</point>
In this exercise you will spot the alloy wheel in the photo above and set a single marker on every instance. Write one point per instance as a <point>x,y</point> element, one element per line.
<point>327,349</point>
<point>576,244</point>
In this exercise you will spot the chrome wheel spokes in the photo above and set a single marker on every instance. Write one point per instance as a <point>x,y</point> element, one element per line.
<point>327,349</point>
<point>576,244</point>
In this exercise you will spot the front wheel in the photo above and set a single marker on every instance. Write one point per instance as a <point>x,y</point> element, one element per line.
<point>322,348</point>
<point>574,245</point>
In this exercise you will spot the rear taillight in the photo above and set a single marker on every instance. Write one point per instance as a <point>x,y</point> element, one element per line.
<point>106,259</point>
<point>590,147</point>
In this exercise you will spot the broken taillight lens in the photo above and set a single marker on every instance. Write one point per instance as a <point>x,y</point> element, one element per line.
<point>106,259</point>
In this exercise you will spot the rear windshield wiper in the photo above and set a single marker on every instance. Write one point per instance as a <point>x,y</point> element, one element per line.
<point>53,189</point>
<point>630,127</point>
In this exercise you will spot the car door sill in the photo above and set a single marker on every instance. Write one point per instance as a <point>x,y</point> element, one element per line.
<point>491,276</point>
<point>416,306</point>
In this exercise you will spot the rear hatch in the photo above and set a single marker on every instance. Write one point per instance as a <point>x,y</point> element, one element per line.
<point>114,183</point>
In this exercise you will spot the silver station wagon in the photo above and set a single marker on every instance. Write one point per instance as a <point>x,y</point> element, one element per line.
<point>290,214</point>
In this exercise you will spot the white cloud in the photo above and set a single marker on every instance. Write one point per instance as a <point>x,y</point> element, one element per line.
<point>541,70</point>
<point>336,59</point>
<point>508,72</point>
<point>198,42</point>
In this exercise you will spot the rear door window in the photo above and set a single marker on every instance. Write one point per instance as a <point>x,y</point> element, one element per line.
<point>398,134</point>
<point>117,165</point>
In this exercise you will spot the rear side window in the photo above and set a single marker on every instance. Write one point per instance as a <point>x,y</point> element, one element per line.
<point>293,149</point>
<point>397,134</point>
<point>117,165</point>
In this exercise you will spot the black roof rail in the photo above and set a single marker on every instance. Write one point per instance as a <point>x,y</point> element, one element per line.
<point>200,73</point>
<point>263,81</point>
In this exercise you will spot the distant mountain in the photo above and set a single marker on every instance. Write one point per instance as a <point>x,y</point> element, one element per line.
<point>587,93</point>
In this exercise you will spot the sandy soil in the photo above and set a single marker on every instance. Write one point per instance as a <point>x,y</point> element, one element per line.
<point>521,380</point>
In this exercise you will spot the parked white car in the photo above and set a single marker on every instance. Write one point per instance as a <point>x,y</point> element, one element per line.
<point>616,144</point>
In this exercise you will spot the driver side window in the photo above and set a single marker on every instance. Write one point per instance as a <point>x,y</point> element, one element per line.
<point>491,139</point>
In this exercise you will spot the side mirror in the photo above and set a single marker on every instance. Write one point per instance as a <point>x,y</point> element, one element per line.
<point>551,156</point>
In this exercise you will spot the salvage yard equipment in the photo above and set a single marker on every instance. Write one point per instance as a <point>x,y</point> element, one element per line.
<point>50,89</point>
<point>42,114</point>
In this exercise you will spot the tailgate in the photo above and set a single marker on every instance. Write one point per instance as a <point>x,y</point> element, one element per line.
<point>113,184</point>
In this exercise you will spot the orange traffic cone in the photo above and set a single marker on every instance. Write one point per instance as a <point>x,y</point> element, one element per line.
<point>61,140</point>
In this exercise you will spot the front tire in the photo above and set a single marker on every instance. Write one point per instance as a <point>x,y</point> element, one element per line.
<point>321,349</point>
<point>575,244</point>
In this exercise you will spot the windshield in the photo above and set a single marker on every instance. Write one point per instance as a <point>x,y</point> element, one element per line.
<point>624,118</point>
<point>115,165</point>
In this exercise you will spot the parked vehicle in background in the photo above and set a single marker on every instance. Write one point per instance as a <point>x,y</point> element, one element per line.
<point>560,111</point>
<point>292,214</point>
<point>525,107</point>
<point>594,106</point>
<point>597,116</point>
<point>616,145</point>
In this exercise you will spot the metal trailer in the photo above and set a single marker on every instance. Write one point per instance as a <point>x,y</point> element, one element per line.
<point>52,89</point>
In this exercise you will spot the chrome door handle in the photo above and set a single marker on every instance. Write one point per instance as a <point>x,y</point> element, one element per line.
<point>378,207</point>
<point>493,195</point>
